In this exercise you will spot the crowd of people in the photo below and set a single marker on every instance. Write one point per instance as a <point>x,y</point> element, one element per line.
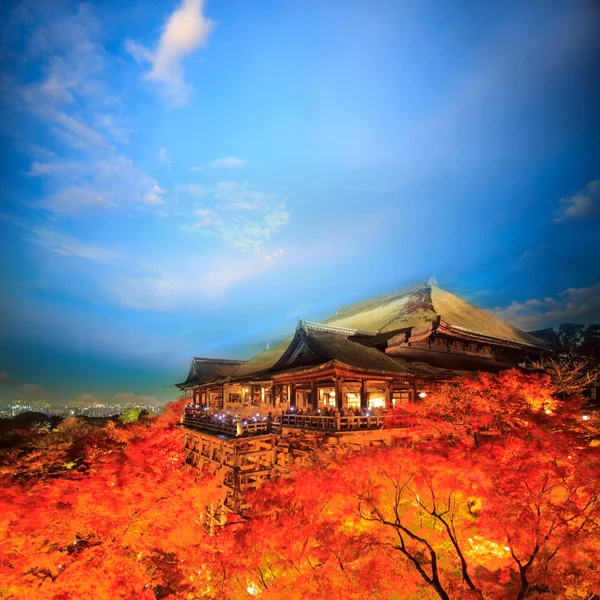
<point>253,415</point>
<point>205,414</point>
<point>331,412</point>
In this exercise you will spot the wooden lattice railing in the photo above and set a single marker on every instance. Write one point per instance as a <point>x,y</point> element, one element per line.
<point>225,427</point>
<point>335,423</point>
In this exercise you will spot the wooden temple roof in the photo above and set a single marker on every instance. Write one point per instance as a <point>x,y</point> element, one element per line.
<point>421,308</point>
<point>352,334</point>
<point>209,370</point>
<point>315,344</point>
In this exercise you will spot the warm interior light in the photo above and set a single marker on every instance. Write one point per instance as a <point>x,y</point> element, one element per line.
<point>586,417</point>
<point>548,411</point>
<point>422,394</point>
<point>376,402</point>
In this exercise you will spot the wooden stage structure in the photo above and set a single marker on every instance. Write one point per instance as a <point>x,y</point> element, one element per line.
<point>244,462</point>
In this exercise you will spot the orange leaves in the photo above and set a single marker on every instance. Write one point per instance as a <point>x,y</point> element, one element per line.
<point>496,498</point>
<point>110,522</point>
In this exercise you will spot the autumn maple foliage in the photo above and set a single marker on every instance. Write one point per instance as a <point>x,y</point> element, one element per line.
<point>489,490</point>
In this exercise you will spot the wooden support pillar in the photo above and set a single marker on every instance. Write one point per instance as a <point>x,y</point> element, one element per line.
<point>292,395</point>
<point>339,394</point>
<point>414,392</point>
<point>363,394</point>
<point>314,398</point>
<point>222,397</point>
<point>388,396</point>
<point>273,395</point>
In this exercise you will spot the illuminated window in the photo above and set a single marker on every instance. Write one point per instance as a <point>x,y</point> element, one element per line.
<point>353,400</point>
<point>327,398</point>
<point>400,397</point>
<point>376,401</point>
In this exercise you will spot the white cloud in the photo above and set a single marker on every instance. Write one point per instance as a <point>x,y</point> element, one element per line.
<point>194,190</point>
<point>69,200</point>
<point>70,96</point>
<point>111,181</point>
<point>230,162</point>
<point>243,217</point>
<point>572,304</point>
<point>164,158</point>
<point>206,217</point>
<point>180,283</point>
<point>55,241</point>
<point>109,123</point>
<point>584,205</point>
<point>129,398</point>
<point>240,196</point>
<point>185,30</point>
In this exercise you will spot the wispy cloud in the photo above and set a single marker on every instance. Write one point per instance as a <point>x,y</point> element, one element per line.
<point>70,97</point>
<point>584,205</point>
<point>182,281</point>
<point>184,31</point>
<point>164,158</point>
<point>110,181</point>
<point>572,304</point>
<point>243,217</point>
<point>58,242</point>
<point>55,241</point>
<point>230,162</point>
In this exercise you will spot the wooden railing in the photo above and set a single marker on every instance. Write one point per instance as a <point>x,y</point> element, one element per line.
<point>226,427</point>
<point>319,422</point>
<point>335,423</point>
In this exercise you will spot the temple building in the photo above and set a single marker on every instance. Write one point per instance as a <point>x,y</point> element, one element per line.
<point>374,354</point>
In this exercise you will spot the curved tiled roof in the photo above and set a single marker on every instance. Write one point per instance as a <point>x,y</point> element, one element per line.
<point>207,370</point>
<point>421,307</point>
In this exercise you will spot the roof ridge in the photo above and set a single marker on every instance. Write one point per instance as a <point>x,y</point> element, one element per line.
<point>226,361</point>
<point>331,328</point>
<point>381,297</point>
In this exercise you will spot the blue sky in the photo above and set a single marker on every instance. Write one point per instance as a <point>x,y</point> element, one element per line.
<point>185,179</point>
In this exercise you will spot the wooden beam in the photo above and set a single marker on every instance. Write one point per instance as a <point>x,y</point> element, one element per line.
<point>339,395</point>
<point>363,394</point>
<point>388,395</point>
<point>292,394</point>
<point>314,398</point>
